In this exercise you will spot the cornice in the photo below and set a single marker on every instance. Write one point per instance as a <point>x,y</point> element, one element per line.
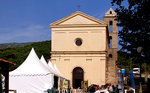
<point>78,25</point>
<point>110,16</point>
<point>78,52</point>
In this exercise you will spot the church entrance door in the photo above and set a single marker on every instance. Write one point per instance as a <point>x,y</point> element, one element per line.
<point>78,75</point>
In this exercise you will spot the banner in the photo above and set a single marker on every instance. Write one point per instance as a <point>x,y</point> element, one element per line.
<point>84,84</point>
<point>132,79</point>
<point>64,84</point>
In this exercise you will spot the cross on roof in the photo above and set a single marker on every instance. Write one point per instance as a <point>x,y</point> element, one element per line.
<point>78,7</point>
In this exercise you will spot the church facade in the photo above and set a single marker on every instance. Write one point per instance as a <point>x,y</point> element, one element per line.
<point>80,47</point>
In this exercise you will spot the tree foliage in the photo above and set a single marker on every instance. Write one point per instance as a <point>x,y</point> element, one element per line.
<point>18,55</point>
<point>128,62</point>
<point>135,22</point>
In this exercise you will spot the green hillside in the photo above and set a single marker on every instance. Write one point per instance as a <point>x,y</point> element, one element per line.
<point>14,45</point>
<point>19,54</point>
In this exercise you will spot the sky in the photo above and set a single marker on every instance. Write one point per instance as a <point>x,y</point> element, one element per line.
<point>28,20</point>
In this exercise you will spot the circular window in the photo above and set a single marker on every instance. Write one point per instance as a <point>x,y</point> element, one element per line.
<point>78,42</point>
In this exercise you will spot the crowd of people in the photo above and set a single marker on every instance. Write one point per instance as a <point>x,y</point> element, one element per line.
<point>107,88</point>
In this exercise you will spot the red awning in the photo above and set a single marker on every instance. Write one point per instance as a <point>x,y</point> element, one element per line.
<point>5,61</point>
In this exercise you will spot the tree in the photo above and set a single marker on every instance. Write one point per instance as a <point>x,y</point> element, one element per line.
<point>19,54</point>
<point>135,22</point>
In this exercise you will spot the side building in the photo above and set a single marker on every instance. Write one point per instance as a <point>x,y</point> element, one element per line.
<point>111,21</point>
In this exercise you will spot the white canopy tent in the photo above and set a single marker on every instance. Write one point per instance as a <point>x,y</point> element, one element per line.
<point>47,66</point>
<point>31,76</point>
<point>56,69</point>
<point>52,68</point>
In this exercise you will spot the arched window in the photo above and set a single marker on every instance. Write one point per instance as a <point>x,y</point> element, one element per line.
<point>110,26</point>
<point>110,44</point>
<point>110,55</point>
<point>110,12</point>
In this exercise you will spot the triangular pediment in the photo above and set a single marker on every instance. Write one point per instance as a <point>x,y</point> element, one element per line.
<point>78,18</point>
<point>110,12</point>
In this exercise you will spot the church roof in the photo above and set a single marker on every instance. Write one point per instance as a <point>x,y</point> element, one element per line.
<point>78,18</point>
<point>110,12</point>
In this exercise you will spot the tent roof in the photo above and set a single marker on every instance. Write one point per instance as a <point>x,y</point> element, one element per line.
<point>50,68</point>
<point>55,67</point>
<point>43,61</point>
<point>30,66</point>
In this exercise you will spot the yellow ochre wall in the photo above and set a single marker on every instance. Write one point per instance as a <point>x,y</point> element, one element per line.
<point>94,39</point>
<point>90,56</point>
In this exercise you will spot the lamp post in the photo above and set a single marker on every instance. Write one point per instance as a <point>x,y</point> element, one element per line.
<point>139,50</point>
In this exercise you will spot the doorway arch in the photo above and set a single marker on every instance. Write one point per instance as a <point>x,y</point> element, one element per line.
<point>77,77</point>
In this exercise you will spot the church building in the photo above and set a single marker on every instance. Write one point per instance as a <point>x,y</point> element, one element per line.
<point>85,48</point>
